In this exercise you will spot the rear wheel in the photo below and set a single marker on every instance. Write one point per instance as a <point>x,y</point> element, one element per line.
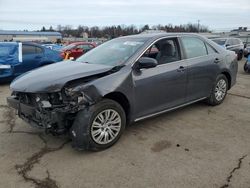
<point>246,69</point>
<point>219,91</point>
<point>98,127</point>
<point>240,55</point>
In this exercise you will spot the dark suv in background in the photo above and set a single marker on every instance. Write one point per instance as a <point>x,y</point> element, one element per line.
<point>233,44</point>
<point>122,81</point>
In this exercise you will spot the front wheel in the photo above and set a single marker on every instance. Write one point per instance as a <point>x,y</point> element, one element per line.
<point>99,126</point>
<point>219,91</point>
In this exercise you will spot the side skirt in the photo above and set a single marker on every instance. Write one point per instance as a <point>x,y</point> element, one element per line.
<point>167,110</point>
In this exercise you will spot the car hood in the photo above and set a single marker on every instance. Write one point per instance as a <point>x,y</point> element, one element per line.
<point>53,77</point>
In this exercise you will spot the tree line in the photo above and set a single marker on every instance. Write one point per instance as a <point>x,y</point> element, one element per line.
<point>122,30</point>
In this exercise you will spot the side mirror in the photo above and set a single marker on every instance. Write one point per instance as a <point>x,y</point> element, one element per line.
<point>146,63</point>
<point>227,45</point>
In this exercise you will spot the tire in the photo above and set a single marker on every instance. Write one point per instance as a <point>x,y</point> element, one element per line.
<point>240,55</point>
<point>215,98</point>
<point>246,69</point>
<point>85,126</point>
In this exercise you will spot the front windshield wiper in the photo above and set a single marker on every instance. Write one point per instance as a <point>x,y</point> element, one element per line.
<point>116,68</point>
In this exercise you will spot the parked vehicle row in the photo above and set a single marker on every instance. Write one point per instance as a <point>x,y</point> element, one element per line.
<point>233,44</point>
<point>18,58</point>
<point>124,80</point>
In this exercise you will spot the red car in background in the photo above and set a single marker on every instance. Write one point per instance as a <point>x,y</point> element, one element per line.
<point>76,49</point>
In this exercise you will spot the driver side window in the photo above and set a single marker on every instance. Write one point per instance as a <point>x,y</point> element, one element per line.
<point>164,51</point>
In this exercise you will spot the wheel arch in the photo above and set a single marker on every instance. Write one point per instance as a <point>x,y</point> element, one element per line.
<point>122,100</point>
<point>229,78</point>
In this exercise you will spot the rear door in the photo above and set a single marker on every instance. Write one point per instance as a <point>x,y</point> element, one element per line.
<point>203,66</point>
<point>32,58</point>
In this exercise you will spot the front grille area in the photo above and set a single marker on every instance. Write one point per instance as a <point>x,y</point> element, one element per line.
<point>32,99</point>
<point>27,98</point>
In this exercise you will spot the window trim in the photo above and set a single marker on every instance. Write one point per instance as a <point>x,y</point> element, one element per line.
<point>156,40</point>
<point>206,44</point>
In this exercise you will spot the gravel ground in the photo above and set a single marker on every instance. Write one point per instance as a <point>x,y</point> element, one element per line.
<point>196,146</point>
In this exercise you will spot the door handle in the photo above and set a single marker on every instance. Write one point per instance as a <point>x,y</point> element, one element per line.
<point>181,69</point>
<point>217,60</point>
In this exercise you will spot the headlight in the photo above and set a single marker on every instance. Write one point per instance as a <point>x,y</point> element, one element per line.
<point>76,96</point>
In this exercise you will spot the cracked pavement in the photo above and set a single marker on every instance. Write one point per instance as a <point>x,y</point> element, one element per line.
<point>197,146</point>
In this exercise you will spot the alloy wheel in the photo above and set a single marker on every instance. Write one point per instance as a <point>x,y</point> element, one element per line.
<point>106,126</point>
<point>220,90</point>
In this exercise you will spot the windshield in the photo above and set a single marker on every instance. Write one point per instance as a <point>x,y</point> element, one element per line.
<point>114,52</point>
<point>70,46</point>
<point>220,41</point>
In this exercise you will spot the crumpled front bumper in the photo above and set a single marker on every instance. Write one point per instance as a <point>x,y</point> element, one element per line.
<point>33,116</point>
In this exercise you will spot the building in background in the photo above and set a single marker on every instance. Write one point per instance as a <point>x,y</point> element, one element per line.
<point>30,36</point>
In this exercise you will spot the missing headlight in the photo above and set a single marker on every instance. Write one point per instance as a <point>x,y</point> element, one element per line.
<point>55,98</point>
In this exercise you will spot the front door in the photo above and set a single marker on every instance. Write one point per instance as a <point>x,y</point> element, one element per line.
<point>164,86</point>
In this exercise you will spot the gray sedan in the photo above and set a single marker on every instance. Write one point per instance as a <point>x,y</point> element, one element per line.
<point>122,81</point>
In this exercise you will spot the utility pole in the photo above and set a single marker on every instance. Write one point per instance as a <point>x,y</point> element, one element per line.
<point>198,26</point>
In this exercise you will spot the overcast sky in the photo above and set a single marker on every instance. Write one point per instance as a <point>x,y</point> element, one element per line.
<point>33,14</point>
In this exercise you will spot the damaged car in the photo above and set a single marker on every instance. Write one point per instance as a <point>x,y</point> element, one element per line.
<point>122,81</point>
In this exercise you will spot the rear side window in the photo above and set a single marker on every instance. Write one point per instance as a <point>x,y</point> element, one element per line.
<point>229,42</point>
<point>29,49</point>
<point>235,42</point>
<point>194,47</point>
<point>85,47</point>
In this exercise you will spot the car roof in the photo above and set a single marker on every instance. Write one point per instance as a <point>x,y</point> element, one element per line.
<point>160,35</point>
<point>224,38</point>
